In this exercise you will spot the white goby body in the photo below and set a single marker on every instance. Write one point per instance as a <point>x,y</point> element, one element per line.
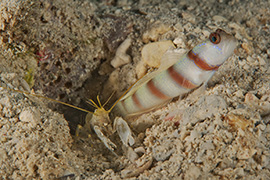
<point>188,72</point>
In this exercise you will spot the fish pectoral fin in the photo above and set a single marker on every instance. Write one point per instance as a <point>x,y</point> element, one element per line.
<point>123,131</point>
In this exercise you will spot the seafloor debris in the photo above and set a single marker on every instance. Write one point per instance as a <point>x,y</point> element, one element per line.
<point>237,121</point>
<point>138,167</point>
<point>262,105</point>
<point>121,56</point>
<point>152,34</point>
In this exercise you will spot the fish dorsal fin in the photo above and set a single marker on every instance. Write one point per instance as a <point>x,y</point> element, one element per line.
<point>171,57</point>
<point>141,82</point>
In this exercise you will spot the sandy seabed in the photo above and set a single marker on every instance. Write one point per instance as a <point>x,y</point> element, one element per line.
<point>73,50</point>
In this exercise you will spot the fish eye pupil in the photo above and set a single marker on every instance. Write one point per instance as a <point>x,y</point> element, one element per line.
<point>214,38</point>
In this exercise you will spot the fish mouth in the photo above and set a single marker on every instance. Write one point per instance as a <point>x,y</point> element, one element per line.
<point>229,42</point>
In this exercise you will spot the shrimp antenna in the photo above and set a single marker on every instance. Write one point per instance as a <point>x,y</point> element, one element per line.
<point>50,99</point>
<point>109,98</point>
<point>99,103</point>
<point>92,103</point>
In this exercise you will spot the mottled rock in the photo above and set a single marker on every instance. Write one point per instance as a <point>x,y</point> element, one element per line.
<point>155,30</point>
<point>152,53</point>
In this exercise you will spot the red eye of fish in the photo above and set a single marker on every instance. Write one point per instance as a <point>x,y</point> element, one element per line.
<point>214,38</point>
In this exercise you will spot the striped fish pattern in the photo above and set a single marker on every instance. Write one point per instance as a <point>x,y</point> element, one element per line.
<point>188,72</point>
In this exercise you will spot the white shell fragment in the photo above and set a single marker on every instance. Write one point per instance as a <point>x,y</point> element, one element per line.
<point>30,116</point>
<point>121,57</point>
<point>218,18</point>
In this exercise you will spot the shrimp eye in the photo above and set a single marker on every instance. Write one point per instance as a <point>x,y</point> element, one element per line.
<point>214,38</point>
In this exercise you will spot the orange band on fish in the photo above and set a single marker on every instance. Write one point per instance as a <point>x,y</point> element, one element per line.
<point>201,63</point>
